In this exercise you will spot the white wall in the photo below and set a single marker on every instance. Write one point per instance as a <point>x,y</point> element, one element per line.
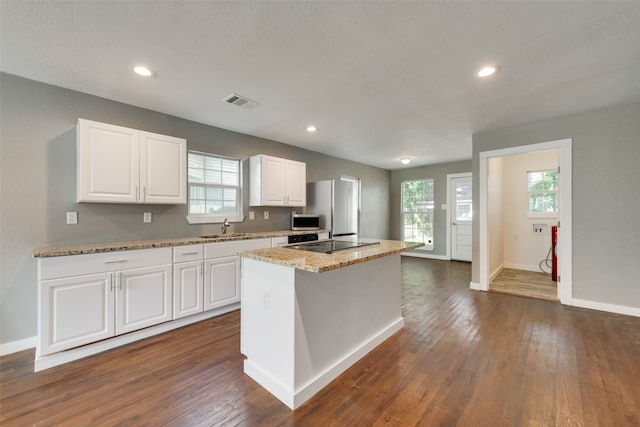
<point>495,210</point>
<point>522,248</point>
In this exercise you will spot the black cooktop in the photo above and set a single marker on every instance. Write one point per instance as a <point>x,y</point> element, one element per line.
<point>330,246</point>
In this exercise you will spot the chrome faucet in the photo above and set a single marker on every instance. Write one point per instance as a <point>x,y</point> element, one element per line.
<point>225,224</point>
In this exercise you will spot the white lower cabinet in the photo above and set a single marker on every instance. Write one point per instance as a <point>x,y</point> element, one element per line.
<point>144,298</point>
<point>222,269</point>
<point>75,311</point>
<point>222,282</point>
<point>188,285</point>
<point>91,302</point>
<point>87,298</point>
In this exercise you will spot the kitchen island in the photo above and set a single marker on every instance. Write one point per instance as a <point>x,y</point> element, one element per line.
<point>306,317</point>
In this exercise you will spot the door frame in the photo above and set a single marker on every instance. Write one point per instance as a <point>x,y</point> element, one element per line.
<point>451,204</point>
<point>565,286</point>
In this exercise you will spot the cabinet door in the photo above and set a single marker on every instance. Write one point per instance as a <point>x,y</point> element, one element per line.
<point>296,183</point>
<point>222,282</point>
<point>273,181</point>
<point>107,163</point>
<point>144,297</point>
<point>187,289</point>
<point>163,169</point>
<point>75,311</point>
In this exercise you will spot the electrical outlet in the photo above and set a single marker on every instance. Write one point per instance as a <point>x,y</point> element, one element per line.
<point>72,217</point>
<point>252,215</point>
<point>147,217</point>
<point>266,214</point>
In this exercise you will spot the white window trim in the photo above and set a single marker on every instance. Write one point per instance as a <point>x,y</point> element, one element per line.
<point>211,218</point>
<point>534,215</point>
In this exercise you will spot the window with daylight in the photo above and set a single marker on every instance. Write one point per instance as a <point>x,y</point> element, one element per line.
<point>542,193</point>
<point>215,188</point>
<point>417,211</point>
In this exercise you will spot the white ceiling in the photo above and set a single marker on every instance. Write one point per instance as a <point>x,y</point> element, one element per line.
<point>381,80</point>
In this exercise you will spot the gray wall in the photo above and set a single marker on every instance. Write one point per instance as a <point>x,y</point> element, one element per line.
<point>439,174</point>
<point>606,197</point>
<point>38,182</point>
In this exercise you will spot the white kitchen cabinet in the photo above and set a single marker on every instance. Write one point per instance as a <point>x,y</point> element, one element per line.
<point>116,164</point>
<point>222,268</point>
<point>75,311</point>
<point>188,288</point>
<point>277,182</point>
<point>87,298</point>
<point>144,298</point>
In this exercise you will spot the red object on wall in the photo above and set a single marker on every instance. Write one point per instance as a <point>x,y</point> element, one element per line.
<point>554,258</point>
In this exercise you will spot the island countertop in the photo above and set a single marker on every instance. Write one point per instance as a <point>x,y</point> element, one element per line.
<point>320,262</point>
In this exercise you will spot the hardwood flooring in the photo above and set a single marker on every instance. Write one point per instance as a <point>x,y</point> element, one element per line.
<point>532,284</point>
<point>464,358</point>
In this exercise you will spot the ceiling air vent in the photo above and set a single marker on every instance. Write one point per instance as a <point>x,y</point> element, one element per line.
<point>241,101</point>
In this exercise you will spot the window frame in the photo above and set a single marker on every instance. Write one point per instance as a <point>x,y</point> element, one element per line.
<point>547,214</point>
<point>207,218</point>
<point>403,213</point>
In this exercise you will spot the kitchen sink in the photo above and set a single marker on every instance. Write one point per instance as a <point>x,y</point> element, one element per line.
<point>220,235</point>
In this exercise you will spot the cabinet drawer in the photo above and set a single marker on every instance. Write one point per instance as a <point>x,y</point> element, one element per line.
<point>216,250</point>
<point>78,265</point>
<point>188,253</point>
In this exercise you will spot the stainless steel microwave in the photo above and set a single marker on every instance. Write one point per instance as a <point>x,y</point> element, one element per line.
<point>305,221</point>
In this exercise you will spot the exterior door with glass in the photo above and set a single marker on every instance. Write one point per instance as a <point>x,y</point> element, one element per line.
<point>461,212</point>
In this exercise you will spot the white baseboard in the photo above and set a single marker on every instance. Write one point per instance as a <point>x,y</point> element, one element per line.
<point>295,397</point>
<point>475,286</point>
<point>601,306</point>
<point>16,346</point>
<point>495,273</point>
<point>55,359</point>
<point>425,255</point>
<point>524,267</point>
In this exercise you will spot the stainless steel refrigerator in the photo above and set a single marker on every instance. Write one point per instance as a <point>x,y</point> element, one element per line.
<point>337,202</point>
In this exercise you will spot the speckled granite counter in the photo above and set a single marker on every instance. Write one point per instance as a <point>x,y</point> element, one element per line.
<point>92,248</point>
<point>320,262</point>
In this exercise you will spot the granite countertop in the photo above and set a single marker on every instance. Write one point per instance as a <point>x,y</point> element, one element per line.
<point>316,262</point>
<point>92,248</point>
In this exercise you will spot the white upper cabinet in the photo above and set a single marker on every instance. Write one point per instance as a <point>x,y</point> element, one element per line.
<point>277,182</point>
<point>122,165</point>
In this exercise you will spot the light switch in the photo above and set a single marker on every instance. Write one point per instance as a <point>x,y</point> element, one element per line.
<point>147,217</point>
<point>266,214</point>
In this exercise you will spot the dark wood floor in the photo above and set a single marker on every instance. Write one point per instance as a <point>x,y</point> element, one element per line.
<point>464,358</point>
<point>532,284</point>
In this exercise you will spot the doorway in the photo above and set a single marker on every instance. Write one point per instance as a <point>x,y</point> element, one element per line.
<point>564,250</point>
<point>459,216</point>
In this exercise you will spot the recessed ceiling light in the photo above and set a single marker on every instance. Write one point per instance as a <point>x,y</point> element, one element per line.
<point>405,160</point>
<point>311,128</point>
<point>488,71</point>
<point>143,71</point>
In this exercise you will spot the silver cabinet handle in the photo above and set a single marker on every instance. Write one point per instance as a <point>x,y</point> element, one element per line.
<point>115,261</point>
<point>110,282</point>
<point>190,253</point>
<point>144,193</point>
<point>118,281</point>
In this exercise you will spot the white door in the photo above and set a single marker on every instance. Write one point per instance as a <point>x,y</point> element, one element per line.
<point>461,211</point>
<point>221,283</point>
<point>187,289</point>
<point>144,297</point>
<point>162,169</point>
<point>75,311</point>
